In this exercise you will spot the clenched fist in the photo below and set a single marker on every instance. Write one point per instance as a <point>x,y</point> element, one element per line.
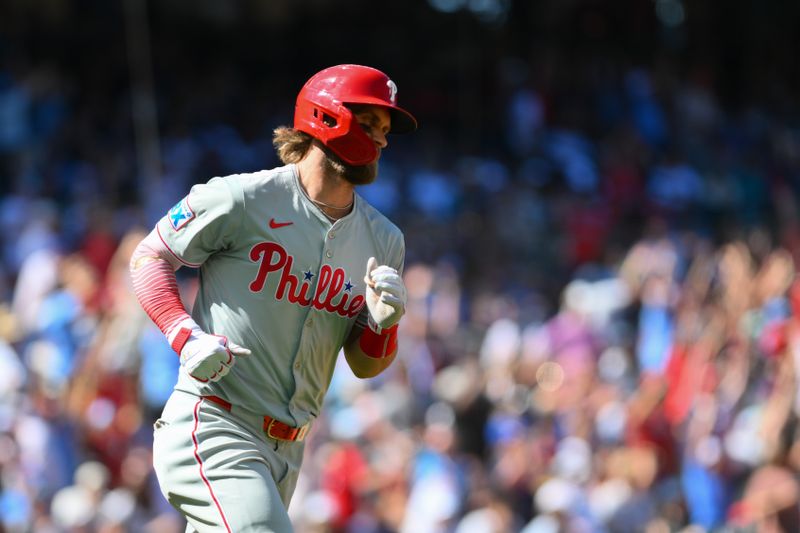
<point>386,294</point>
<point>205,357</point>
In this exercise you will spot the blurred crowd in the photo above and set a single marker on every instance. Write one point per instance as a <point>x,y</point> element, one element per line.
<point>603,327</point>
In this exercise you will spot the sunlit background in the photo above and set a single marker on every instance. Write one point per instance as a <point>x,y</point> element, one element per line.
<point>601,219</point>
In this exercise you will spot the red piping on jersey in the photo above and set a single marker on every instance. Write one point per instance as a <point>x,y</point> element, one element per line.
<point>187,263</point>
<point>200,463</point>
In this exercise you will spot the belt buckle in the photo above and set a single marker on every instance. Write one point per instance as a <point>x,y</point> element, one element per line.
<point>298,437</point>
<point>272,422</point>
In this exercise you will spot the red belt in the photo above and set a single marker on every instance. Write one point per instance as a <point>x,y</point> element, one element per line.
<point>275,429</point>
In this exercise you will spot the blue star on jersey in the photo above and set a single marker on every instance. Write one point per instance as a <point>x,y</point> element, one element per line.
<point>180,215</point>
<point>308,275</point>
<point>348,286</point>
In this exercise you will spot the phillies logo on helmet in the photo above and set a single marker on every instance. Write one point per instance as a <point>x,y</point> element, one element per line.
<point>392,91</point>
<point>332,293</point>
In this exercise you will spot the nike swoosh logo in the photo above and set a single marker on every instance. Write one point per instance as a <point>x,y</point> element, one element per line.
<point>276,225</point>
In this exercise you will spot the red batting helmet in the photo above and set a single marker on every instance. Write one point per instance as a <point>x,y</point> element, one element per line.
<point>322,112</point>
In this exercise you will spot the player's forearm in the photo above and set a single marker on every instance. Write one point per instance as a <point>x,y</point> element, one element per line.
<point>369,354</point>
<point>155,284</point>
<point>373,343</point>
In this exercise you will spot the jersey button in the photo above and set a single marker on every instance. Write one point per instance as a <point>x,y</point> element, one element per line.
<point>331,235</point>
<point>328,254</point>
<point>297,366</point>
<point>309,323</point>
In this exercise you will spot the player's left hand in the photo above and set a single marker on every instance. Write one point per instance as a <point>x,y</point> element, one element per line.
<point>386,294</point>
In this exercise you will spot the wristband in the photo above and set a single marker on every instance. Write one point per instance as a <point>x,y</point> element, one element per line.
<point>181,339</point>
<point>378,345</point>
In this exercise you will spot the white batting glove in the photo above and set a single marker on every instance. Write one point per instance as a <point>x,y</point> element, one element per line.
<point>386,294</point>
<point>205,357</point>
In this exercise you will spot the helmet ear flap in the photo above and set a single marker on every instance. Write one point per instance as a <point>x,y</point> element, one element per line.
<point>327,119</point>
<point>336,127</point>
<point>355,148</point>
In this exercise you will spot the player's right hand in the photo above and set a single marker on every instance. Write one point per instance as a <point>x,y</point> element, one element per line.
<point>209,357</point>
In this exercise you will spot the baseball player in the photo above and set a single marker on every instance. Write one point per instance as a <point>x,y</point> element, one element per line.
<point>294,267</point>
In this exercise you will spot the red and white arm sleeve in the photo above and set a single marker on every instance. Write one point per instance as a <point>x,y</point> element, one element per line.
<point>152,268</point>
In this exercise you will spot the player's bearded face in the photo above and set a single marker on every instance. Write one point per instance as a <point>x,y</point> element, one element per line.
<point>357,175</point>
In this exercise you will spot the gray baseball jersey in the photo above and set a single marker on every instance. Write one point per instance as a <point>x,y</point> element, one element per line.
<point>279,278</point>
